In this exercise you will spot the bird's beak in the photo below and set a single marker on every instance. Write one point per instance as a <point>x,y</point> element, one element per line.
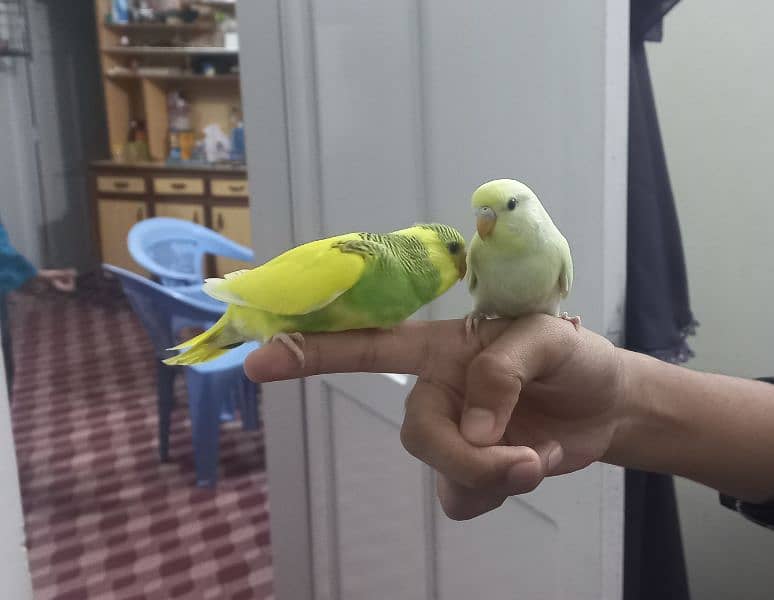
<point>485,221</point>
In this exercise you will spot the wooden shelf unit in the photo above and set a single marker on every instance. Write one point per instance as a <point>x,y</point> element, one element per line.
<point>213,79</point>
<point>169,51</point>
<point>126,28</point>
<point>215,196</point>
<point>131,94</point>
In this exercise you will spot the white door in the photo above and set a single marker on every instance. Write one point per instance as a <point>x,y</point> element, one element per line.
<point>370,115</point>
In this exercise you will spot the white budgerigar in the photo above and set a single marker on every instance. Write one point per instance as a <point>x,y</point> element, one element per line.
<point>519,263</point>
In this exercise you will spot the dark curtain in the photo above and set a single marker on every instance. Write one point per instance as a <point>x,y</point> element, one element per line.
<point>658,317</point>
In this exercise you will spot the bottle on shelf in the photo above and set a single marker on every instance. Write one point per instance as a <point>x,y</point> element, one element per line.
<point>120,11</point>
<point>181,135</point>
<point>237,136</point>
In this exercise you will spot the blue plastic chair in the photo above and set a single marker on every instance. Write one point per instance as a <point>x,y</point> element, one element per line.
<point>163,312</point>
<point>173,250</point>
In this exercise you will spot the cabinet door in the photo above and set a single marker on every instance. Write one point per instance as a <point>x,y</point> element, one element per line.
<point>234,223</point>
<point>177,210</point>
<point>116,218</point>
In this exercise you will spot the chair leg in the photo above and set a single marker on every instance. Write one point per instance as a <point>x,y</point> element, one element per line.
<point>249,398</point>
<point>227,408</point>
<point>165,384</point>
<point>204,400</point>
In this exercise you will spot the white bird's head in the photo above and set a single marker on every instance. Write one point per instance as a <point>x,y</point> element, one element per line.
<point>505,208</point>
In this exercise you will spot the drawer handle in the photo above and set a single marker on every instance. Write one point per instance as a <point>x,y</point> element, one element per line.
<point>237,188</point>
<point>140,214</point>
<point>219,224</point>
<point>196,218</point>
<point>177,186</point>
<point>120,185</point>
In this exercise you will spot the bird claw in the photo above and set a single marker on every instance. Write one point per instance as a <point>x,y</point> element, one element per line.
<point>576,320</point>
<point>294,342</point>
<point>471,324</point>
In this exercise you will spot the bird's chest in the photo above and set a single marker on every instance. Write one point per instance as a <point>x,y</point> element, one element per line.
<point>516,285</point>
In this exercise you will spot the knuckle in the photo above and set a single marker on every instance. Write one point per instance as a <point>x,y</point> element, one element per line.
<point>479,478</point>
<point>412,439</point>
<point>527,486</point>
<point>497,369</point>
<point>460,507</point>
<point>456,510</point>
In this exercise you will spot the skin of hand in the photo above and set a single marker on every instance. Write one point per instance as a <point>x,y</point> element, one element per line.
<point>62,280</point>
<point>492,414</point>
<point>495,413</point>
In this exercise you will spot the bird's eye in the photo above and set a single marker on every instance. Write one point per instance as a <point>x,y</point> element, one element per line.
<point>512,203</point>
<point>453,247</point>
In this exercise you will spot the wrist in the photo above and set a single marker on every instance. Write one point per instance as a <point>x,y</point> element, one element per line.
<point>644,425</point>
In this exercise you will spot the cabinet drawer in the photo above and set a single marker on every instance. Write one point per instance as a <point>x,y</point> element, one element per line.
<point>229,188</point>
<point>178,186</point>
<point>187,212</point>
<point>122,185</point>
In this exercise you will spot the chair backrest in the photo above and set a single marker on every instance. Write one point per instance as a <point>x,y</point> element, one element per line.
<point>163,311</point>
<point>173,250</point>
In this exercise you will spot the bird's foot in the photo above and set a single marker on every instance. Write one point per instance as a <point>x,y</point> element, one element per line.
<point>471,324</point>
<point>293,342</point>
<point>576,320</point>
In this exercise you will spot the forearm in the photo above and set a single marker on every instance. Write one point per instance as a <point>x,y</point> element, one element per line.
<point>714,429</point>
<point>15,270</point>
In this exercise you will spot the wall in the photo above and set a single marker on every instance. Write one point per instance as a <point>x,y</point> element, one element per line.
<point>70,122</point>
<point>52,124</point>
<point>715,97</point>
<point>19,205</point>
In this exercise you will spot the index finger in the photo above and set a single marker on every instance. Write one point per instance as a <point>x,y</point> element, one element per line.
<point>399,350</point>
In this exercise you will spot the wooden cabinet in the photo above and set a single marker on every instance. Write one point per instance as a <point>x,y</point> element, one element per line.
<point>180,210</point>
<point>125,194</point>
<point>115,217</point>
<point>232,222</point>
<point>161,58</point>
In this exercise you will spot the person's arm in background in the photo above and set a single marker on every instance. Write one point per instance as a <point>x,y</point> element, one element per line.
<point>16,271</point>
<point>534,397</point>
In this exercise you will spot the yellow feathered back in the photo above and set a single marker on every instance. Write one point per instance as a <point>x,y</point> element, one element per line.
<point>301,280</point>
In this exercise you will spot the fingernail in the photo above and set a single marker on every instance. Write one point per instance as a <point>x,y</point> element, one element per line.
<point>554,458</point>
<point>520,477</point>
<point>477,424</point>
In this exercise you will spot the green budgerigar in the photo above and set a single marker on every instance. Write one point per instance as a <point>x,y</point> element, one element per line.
<point>519,263</point>
<point>350,281</point>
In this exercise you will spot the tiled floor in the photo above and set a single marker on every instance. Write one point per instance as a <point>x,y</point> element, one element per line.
<point>104,518</point>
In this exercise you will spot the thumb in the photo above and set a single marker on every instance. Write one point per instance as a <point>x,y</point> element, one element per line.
<point>495,378</point>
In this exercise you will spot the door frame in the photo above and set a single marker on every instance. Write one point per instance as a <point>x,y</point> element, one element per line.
<point>274,230</point>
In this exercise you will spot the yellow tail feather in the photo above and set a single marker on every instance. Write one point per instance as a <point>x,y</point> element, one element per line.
<point>205,346</point>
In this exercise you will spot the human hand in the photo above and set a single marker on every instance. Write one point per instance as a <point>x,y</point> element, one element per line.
<point>62,280</point>
<point>494,415</point>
